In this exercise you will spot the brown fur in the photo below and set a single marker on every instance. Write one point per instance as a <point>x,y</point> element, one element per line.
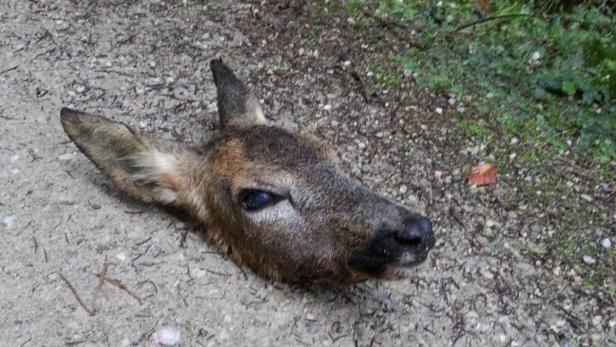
<point>322,221</point>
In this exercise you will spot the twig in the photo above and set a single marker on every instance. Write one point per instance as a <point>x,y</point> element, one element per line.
<point>141,254</point>
<point>395,24</point>
<point>9,69</point>
<point>24,343</point>
<point>488,19</point>
<point>122,42</point>
<point>70,286</point>
<point>218,273</point>
<point>363,88</point>
<point>134,212</point>
<point>101,279</point>
<point>122,286</point>
<point>35,244</point>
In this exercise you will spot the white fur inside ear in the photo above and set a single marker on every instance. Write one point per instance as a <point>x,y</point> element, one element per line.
<point>162,163</point>
<point>253,107</point>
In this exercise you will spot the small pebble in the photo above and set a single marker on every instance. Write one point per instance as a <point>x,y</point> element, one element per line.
<point>439,110</point>
<point>327,107</point>
<point>589,260</point>
<point>606,243</point>
<point>490,223</point>
<point>65,157</point>
<point>586,197</point>
<point>20,46</point>
<point>403,189</point>
<point>8,221</point>
<point>387,304</point>
<point>166,336</point>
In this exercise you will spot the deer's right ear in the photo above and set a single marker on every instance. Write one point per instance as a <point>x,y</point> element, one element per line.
<point>237,105</point>
<point>136,165</point>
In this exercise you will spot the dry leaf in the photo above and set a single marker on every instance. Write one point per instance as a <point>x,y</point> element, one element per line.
<point>481,175</point>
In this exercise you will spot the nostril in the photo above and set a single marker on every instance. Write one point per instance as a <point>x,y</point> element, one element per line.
<point>406,238</point>
<point>415,233</point>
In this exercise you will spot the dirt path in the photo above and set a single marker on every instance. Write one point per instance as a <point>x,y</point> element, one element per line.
<point>145,63</point>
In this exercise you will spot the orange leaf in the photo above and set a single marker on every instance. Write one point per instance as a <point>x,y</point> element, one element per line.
<point>481,175</point>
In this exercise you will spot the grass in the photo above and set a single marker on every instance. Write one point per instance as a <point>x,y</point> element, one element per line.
<point>542,78</point>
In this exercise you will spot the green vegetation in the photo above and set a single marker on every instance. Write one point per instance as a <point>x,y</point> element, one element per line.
<point>542,77</point>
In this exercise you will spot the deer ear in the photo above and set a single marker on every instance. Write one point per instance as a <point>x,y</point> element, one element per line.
<point>135,164</point>
<point>237,105</point>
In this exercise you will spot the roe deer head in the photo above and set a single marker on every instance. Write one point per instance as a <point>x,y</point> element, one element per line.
<point>277,201</point>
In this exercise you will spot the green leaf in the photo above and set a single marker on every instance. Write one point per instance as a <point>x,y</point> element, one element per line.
<point>568,87</point>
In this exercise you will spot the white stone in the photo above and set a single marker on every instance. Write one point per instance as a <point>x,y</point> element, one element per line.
<point>589,260</point>
<point>490,223</point>
<point>65,157</point>
<point>15,158</point>
<point>586,197</point>
<point>536,55</point>
<point>9,221</point>
<point>439,110</point>
<point>606,243</point>
<point>167,336</point>
<point>403,189</point>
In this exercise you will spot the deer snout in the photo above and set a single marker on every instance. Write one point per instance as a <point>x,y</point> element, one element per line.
<point>417,236</point>
<point>398,247</point>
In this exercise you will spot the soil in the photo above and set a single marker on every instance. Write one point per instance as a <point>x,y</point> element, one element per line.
<point>137,268</point>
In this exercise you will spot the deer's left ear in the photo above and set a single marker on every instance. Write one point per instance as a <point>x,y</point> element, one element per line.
<point>237,105</point>
<point>137,165</point>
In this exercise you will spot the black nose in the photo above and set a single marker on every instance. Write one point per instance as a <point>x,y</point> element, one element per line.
<point>417,234</point>
<point>408,245</point>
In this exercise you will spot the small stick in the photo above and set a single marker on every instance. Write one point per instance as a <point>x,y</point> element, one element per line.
<point>122,286</point>
<point>487,19</point>
<point>101,279</point>
<point>9,69</point>
<point>70,286</point>
<point>218,273</point>
<point>133,212</point>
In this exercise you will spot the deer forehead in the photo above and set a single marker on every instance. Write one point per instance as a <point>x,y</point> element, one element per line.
<point>268,151</point>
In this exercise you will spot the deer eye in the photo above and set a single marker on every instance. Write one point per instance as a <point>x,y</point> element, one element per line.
<point>254,200</point>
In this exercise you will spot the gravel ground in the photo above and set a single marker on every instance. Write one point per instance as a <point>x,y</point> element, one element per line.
<point>146,63</point>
